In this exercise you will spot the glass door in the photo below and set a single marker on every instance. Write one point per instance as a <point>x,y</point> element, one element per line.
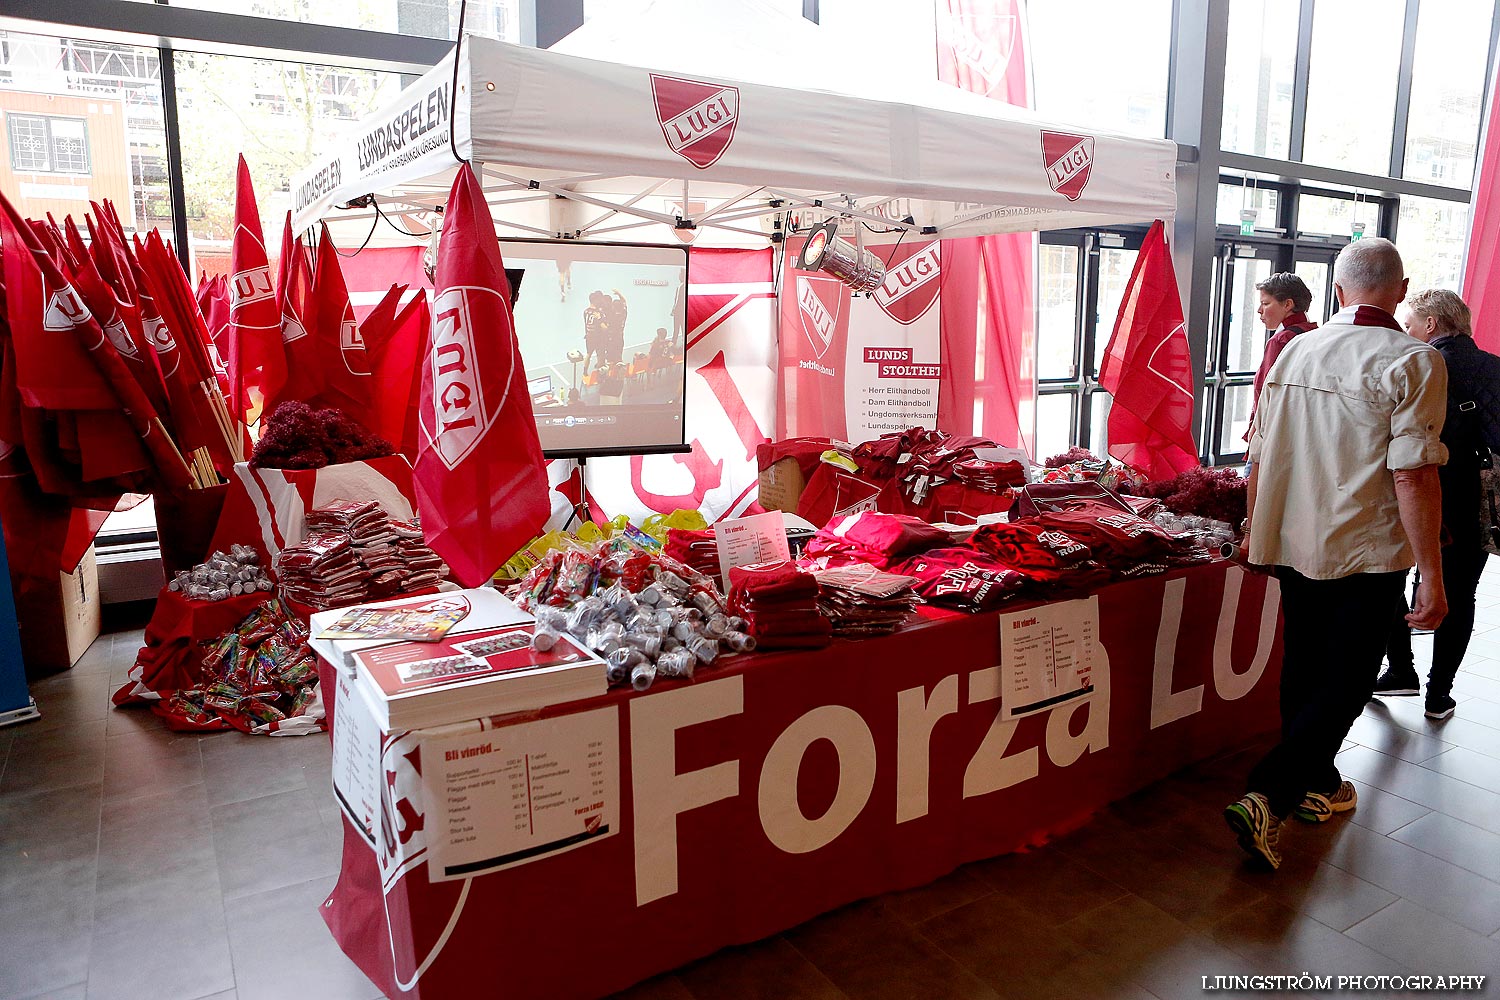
<point>1315,267</point>
<point>1241,345</point>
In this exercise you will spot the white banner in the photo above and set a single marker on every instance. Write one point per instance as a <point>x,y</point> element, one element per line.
<point>410,138</point>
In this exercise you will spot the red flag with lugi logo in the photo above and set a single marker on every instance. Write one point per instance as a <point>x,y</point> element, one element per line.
<point>257,364</point>
<point>294,292</point>
<point>342,377</point>
<point>1149,369</point>
<point>481,481</point>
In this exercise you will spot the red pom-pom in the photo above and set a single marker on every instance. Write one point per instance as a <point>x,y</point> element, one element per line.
<point>1216,493</point>
<point>1071,457</point>
<point>298,437</point>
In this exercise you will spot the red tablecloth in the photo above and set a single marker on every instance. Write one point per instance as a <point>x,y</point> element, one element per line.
<point>169,661</point>
<point>777,787</point>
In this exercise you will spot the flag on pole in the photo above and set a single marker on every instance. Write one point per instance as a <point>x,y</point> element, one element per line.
<point>1481,286</point>
<point>480,478</point>
<point>257,364</point>
<point>342,365</point>
<point>1149,371</point>
<point>294,293</point>
<point>396,350</point>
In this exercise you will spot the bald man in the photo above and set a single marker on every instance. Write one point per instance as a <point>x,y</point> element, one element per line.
<point>1344,498</point>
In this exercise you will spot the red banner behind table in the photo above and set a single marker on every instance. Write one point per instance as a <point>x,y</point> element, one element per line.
<point>777,787</point>
<point>982,48</point>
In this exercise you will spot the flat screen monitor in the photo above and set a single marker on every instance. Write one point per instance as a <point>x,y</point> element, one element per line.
<point>603,335</point>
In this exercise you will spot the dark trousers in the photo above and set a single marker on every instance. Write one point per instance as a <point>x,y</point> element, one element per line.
<point>1463,565</point>
<point>1331,656</point>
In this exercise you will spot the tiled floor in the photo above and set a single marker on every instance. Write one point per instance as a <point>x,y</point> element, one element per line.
<point>138,863</point>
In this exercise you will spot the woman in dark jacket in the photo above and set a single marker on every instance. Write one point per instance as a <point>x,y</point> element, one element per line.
<point>1440,318</point>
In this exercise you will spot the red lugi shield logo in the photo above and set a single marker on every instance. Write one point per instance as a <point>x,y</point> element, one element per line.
<point>459,418</point>
<point>352,345</point>
<point>912,278</point>
<point>981,42</point>
<point>820,303</point>
<point>1069,159</point>
<point>696,118</point>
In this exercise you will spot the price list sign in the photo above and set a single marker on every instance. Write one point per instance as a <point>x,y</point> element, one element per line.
<point>504,797</point>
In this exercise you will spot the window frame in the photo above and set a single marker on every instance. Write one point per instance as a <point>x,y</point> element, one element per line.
<point>49,141</point>
<point>1091,331</point>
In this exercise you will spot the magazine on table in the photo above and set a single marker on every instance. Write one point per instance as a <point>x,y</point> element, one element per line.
<point>407,668</point>
<point>420,622</point>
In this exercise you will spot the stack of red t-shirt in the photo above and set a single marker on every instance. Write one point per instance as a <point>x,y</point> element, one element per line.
<point>1051,561</point>
<point>992,477</point>
<point>963,578</point>
<point>353,553</point>
<point>879,540</point>
<point>933,461</point>
<point>780,603</point>
<point>420,567</point>
<point>697,549</point>
<point>1126,543</point>
<point>322,571</point>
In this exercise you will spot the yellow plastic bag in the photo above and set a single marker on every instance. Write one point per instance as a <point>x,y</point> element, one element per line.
<point>657,525</point>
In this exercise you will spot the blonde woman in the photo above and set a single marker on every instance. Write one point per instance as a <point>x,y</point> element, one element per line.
<point>1440,318</point>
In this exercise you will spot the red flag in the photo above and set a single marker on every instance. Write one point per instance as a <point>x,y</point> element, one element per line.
<point>1481,287</point>
<point>480,478</point>
<point>107,441</point>
<point>1149,370</point>
<point>257,364</point>
<point>121,321</point>
<point>342,365</point>
<point>982,49</point>
<point>188,358</point>
<point>396,350</point>
<point>213,303</point>
<point>294,291</point>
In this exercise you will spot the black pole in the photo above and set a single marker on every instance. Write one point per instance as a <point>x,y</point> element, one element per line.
<point>174,158</point>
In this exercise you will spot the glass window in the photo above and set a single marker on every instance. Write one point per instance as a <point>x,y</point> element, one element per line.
<point>30,147</point>
<point>1099,406</point>
<point>1234,197</point>
<point>312,105</point>
<point>1258,73</point>
<point>1238,400</point>
<point>1446,89</point>
<point>423,18</point>
<point>1244,330</point>
<point>1431,236</point>
<point>1351,90</point>
<point>1114,274</point>
<point>83,121</point>
<point>1315,275</point>
<point>1054,424</point>
<point>70,145</point>
<point>1336,216</point>
<point>1102,63</point>
<point>1057,311</point>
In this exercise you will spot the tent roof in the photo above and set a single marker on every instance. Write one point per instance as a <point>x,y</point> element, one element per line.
<point>756,117</point>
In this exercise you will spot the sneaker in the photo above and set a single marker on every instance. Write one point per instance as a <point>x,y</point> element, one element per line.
<point>1319,808</point>
<point>1440,706</point>
<point>1397,681</point>
<point>1256,828</point>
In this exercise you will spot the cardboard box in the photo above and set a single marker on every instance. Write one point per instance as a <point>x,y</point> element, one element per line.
<point>59,620</point>
<point>781,486</point>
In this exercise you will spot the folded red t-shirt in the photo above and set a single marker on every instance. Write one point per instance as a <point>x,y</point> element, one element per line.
<point>779,581</point>
<point>792,621</point>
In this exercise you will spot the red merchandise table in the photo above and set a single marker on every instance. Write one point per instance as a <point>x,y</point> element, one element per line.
<point>777,787</point>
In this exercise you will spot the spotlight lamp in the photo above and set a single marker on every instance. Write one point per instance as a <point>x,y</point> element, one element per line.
<point>855,266</point>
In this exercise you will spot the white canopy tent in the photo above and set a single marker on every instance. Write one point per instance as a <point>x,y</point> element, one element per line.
<point>746,116</point>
